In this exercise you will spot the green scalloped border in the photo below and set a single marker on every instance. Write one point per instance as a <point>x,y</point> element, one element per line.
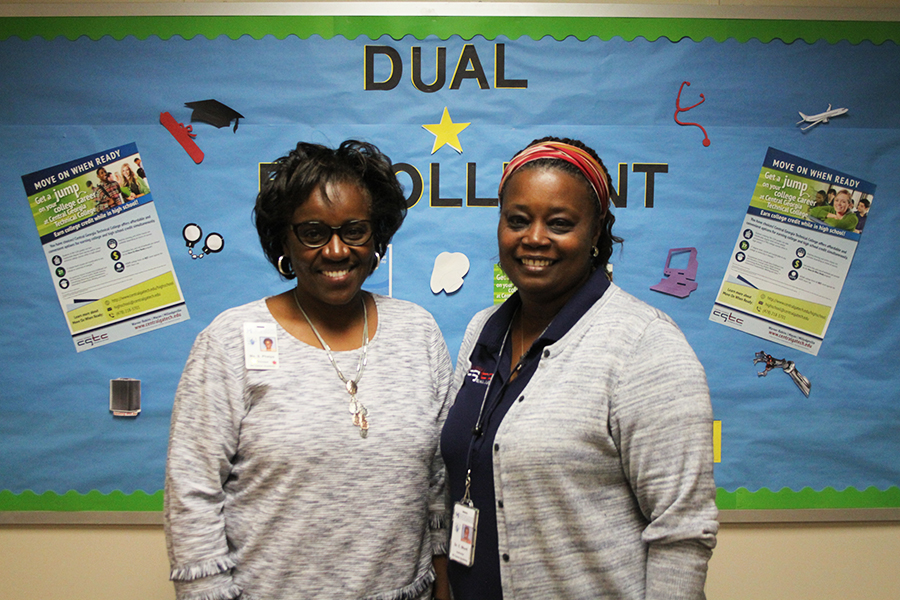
<point>467,27</point>
<point>73,501</point>
<point>786,498</point>
<point>740,499</point>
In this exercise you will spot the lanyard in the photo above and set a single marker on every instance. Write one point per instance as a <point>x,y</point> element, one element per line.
<point>478,430</point>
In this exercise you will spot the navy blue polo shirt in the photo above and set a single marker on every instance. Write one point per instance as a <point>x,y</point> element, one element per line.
<point>488,381</point>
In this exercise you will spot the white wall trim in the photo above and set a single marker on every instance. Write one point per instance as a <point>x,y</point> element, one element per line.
<point>437,9</point>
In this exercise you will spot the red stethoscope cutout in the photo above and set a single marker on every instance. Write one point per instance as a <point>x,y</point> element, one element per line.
<point>678,109</point>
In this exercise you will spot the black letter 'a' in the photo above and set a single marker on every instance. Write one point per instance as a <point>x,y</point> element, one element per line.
<point>469,56</point>
<point>396,68</point>
<point>440,70</point>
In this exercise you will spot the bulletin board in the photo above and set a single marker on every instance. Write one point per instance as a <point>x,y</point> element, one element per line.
<point>449,100</point>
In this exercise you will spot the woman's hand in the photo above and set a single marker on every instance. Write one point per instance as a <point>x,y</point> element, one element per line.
<point>441,589</point>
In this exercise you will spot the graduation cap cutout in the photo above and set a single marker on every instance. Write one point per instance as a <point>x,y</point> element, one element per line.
<point>214,112</point>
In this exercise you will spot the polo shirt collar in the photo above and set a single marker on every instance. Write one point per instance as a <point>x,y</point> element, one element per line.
<point>497,325</point>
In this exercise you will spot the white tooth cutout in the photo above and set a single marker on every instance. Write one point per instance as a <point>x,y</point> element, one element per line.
<point>448,273</point>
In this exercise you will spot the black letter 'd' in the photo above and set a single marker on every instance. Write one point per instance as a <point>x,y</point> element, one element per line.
<point>396,68</point>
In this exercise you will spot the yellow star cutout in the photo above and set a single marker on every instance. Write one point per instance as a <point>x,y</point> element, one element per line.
<point>446,132</point>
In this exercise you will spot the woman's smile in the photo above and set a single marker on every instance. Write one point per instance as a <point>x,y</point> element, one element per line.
<point>536,262</point>
<point>336,274</point>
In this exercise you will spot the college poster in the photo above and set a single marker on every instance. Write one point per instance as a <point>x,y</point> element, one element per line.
<point>104,246</point>
<point>794,252</point>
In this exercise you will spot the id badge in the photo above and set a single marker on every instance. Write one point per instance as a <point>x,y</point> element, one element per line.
<point>462,534</point>
<point>260,346</point>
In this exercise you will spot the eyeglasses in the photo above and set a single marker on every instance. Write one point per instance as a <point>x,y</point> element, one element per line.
<point>315,234</point>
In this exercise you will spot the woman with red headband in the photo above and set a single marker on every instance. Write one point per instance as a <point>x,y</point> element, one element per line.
<point>579,448</point>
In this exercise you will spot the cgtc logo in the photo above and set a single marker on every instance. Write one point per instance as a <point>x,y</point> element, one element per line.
<point>727,317</point>
<point>93,339</point>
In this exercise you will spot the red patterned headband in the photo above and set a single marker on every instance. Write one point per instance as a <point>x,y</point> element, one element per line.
<point>586,163</point>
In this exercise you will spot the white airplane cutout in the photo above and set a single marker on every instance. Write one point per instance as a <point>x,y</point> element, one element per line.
<point>821,117</point>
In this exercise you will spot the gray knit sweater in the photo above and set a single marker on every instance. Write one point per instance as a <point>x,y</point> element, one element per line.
<point>603,466</point>
<point>271,492</point>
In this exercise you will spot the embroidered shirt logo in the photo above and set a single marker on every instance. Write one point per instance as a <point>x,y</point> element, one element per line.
<point>479,376</point>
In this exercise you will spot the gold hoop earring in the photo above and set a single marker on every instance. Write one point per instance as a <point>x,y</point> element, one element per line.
<point>595,251</point>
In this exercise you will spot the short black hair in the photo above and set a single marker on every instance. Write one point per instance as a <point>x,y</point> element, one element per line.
<point>309,166</point>
<point>604,222</point>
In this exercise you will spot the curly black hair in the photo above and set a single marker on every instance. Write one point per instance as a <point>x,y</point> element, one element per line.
<point>311,166</point>
<point>604,222</point>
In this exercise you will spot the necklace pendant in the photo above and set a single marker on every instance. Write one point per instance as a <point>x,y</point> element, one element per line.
<point>363,424</point>
<point>360,413</point>
<point>351,387</point>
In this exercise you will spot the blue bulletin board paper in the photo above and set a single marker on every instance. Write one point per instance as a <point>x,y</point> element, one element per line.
<point>70,97</point>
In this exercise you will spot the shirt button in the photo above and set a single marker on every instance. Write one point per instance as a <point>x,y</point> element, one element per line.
<point>496,447</point>
<point>506,558</point>
<point>500,503</point>
<point>546,354</point>
<point>521,398</point>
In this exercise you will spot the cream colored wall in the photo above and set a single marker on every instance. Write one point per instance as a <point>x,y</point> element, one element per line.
<point>837,561</point>
<point>806,562</point>
<point>84,563</point>
<point>758,562</point>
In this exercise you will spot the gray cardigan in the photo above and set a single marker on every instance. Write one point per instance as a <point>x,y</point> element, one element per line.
<point>603,467</point>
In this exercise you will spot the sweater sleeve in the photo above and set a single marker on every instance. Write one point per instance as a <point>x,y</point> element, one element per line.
<point>203,440</point>
<point>819,212</point>
<point>438,493</point>
<point>848,221</point>
<point>662,420</point>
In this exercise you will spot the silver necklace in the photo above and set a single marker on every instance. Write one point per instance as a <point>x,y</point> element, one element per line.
<point>357,409</point>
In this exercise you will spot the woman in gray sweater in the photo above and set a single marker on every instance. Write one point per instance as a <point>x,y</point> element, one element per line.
<point>303,454</point>
<point>582,428</point>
